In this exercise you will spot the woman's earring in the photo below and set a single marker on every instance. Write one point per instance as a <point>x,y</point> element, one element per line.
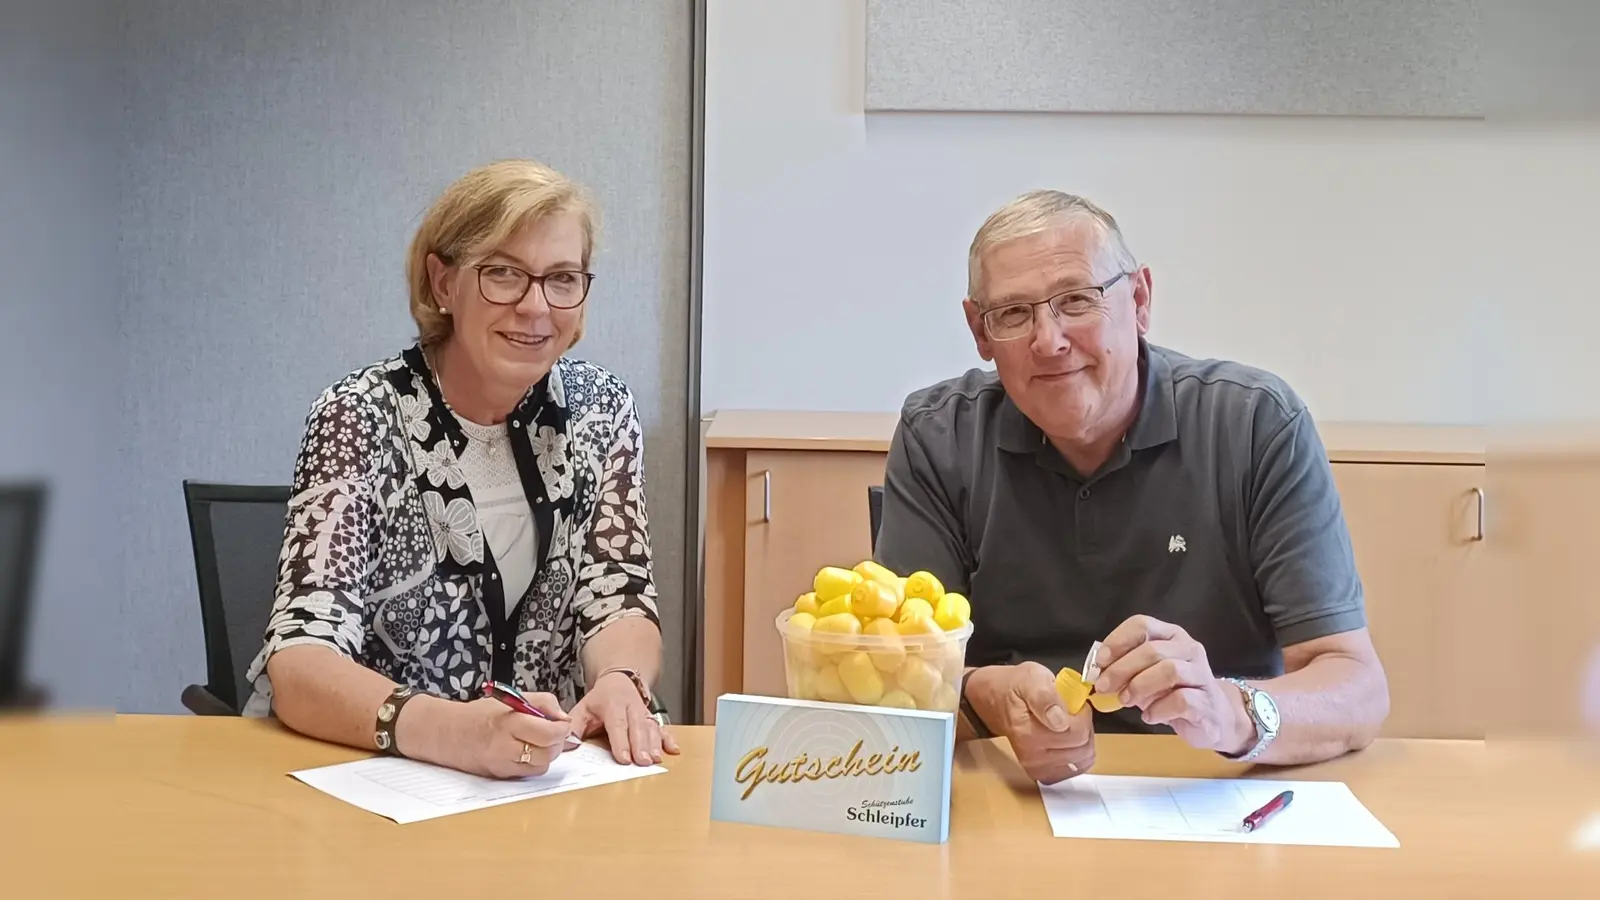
<point>443,311</point>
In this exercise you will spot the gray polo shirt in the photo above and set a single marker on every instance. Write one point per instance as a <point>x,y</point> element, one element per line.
<point>1218,512</point>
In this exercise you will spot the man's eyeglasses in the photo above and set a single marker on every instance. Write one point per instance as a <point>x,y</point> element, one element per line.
<point>505,285</point>
<point>1015,320</point>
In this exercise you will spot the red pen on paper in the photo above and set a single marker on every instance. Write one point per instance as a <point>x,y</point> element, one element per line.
<point>1259,818</point>
<point>513,698</point>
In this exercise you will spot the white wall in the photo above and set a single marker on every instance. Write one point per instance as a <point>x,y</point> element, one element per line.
<point>1369,261</point>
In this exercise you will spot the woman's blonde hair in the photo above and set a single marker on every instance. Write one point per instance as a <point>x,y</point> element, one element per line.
<point>477,214</point>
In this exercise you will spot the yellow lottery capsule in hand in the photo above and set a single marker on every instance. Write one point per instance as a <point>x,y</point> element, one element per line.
<point>1075,692</point>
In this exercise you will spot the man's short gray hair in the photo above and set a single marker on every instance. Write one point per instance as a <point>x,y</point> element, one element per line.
<point>1038,211</point>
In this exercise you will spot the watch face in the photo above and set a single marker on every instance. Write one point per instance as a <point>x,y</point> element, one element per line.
<point>1267,710</point>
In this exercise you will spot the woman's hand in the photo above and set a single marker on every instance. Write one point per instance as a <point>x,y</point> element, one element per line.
<point>615,705</point>
<point>484,737</point>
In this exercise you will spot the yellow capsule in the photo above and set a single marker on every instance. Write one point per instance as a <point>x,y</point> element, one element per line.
<point>872,571</point>
<point>802,622</point>
<point>945,698</point>
<point>925,585</point>
<point>918,624</point>
<point>807,603</point>
<point>832,581</point>
<point>803,683</point>
<point>897,699</point>
<point>920,679</point>
<point>840,604</point>
<point>872,599</point>
<point>888,651</point>
<point>830,687</point>
<point>914,606</point>
<point>861,678</point>
<point>1106,703</point>
<point>1071,688</point>
<point>952,612</point>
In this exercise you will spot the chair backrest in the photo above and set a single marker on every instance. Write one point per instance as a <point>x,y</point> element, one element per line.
<point>237,532</point>
<point>21,520</point>
<point>875,511</point>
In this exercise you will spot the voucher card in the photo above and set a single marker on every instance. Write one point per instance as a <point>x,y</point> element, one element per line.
<point>862,770</point>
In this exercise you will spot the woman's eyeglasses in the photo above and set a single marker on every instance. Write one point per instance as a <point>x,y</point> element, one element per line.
<point>505,285</point>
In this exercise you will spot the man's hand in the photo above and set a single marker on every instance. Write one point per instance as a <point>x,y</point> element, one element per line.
<point>615,705</point>
<point>1157,667</point>
<point>1021,703</point>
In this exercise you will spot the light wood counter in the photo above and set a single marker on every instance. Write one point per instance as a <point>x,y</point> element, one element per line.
<point>203,807</point>
<point>738,429</point>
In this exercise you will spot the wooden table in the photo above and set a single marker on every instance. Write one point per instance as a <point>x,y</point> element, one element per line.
<point>184,806</point>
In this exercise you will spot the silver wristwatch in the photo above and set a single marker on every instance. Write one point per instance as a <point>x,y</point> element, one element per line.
<point>1263,713</point>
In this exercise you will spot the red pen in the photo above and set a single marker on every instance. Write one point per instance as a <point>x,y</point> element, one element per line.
<point>513,698</point>
<point>1274,806</point>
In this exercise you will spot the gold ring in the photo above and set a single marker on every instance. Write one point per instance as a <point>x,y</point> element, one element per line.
<point>527,753</point>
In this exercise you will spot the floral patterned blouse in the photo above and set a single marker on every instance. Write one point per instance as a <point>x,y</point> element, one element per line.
<point>383,559</point>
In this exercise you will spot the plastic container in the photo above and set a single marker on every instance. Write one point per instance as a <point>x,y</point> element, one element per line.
<point>910,671</point>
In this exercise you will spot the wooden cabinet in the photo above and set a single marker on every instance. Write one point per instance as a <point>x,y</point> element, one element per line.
<point>1420,552</point>
<point>1541,672</point>
<point>801,506</point>
<point>787,492</point>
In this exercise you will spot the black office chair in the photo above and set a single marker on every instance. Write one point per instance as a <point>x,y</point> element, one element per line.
<point>237,532</point>
<point>875,511</point>
<point>21,521</point>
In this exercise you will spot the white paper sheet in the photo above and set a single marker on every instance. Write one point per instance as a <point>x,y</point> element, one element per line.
<point>409,791</point>
<point>1128,807</point>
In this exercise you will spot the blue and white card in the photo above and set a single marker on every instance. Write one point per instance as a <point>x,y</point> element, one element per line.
<point>860,770</point>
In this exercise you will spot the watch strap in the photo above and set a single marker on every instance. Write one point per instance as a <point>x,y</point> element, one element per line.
<point>658,710</point>
<point>388,715</point>
<point>979,727</point>
<point>1263,736</point>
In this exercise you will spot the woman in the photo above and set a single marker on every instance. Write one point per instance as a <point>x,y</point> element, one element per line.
<point>472,510</point>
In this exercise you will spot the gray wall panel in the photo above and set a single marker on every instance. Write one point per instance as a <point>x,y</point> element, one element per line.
<point>1294,57</point>
<point>280,154</point>
<point>58,306</point>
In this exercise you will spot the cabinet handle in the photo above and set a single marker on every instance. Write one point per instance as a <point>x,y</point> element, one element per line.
<point>1479,492</point>
<point>766,496</point>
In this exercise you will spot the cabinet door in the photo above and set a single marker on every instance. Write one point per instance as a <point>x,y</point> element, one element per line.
<point>804,510</point>
<point>1544,524</point>
<point>1420,553</point>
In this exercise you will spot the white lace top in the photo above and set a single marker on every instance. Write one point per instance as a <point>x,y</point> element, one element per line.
<point>504,513</point>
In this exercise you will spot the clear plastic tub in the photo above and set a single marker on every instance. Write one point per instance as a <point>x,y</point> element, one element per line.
<point>907,671</point>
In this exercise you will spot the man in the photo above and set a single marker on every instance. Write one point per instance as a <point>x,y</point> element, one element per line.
<point>1098,487</point>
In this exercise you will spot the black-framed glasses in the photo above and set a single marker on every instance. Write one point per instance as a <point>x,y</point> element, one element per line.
<point>1015,320</point>
<point>506,285</point>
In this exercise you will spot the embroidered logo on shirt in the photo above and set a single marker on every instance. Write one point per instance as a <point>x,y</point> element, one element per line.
<point>1176,544</point>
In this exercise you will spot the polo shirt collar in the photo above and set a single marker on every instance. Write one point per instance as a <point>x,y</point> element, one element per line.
<point>1156,424</point>
<point>1158,414</point>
